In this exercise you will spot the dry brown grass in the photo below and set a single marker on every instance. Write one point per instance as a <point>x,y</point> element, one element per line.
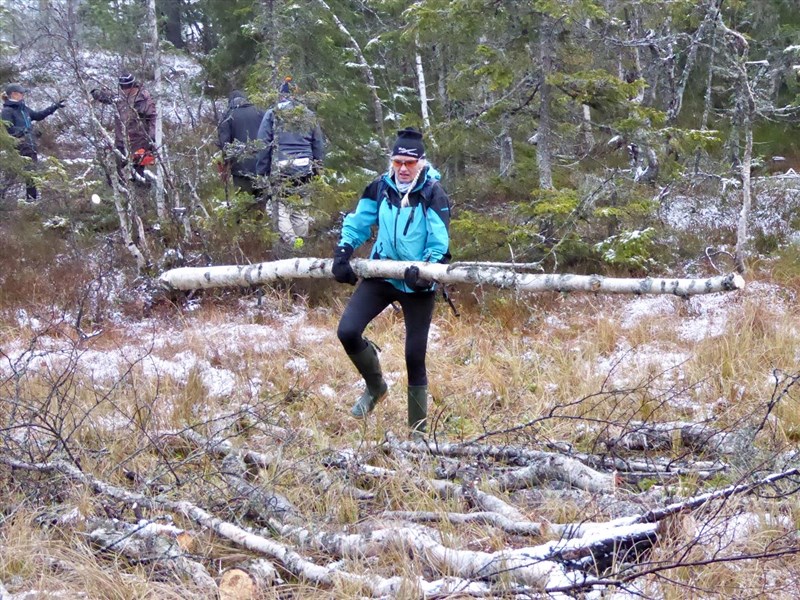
<point>564,363</point>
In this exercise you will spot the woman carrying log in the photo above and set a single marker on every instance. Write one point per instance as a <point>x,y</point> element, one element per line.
<point>412,212</point>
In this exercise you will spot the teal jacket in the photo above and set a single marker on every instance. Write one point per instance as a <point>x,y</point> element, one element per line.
<point>418,232</point>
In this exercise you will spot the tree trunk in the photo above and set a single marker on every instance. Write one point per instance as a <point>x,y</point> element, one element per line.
<point>191,278</point>
<point>248,581</point>
<point>171,10</point>
<point>707,98</point>
<point>745,111</point>
<point>161,207</point>
<point>506,147</point>
<point>747,199</point>
<point>544,157</point>
<point>423,95</point>
<point>677,99</point>
<point>441,83</point>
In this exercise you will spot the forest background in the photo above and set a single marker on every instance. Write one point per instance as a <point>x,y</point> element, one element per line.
<point>623,138</point>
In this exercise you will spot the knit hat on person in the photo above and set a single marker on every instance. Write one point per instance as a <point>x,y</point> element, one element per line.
<point>15,88</point>
<point>127,81</point>
<point>236,98</point>
<point>409,143</point>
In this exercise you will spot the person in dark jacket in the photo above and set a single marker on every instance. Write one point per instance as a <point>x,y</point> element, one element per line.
<point>293,153</point>
<point>238,135</point>
<point>412,212</point>
<point>18,119</point>
<point>134,124</point>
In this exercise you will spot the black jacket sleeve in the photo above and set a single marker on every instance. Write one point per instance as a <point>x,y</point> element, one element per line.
<point>317,144</point>
<point>38,115</point>
<point>266,135</point>
<point>225,130</point>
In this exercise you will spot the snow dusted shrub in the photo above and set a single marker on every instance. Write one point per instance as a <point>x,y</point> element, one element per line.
<point>629,249</point>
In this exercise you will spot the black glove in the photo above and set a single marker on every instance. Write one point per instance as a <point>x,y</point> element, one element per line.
<point>342,271</point>
<point>61,103</point>
<point>414,281</point>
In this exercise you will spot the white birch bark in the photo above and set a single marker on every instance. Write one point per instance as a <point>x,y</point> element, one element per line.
<point>747,198</point>
<point>192,278</point>
<point>146,541</point>
<point>546,566</point>
<point>586,113</point>
<point>506,147</point>
<point>126,226</point>
<point>746,104</point>
<point>161,207</point>
<point>586,128</point>
<point>541,466</point>
<point>249,580</point>
<point>423,94</point>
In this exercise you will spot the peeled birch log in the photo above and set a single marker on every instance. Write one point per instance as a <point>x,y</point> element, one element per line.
<point>192,278</point>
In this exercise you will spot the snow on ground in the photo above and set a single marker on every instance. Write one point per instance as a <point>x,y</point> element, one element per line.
<point>216,350</point>
<point>692,213</point>
<point>216,353</point>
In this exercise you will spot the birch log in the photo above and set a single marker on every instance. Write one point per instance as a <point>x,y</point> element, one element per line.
<point>192,278</point>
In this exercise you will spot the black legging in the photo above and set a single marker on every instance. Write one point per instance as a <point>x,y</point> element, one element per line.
<point>369,299</point>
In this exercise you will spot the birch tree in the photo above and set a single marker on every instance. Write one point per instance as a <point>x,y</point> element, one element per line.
<point>155,54</point>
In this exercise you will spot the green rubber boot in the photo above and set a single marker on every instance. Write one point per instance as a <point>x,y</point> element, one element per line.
<point>369,366</point>
<point>417,410</point>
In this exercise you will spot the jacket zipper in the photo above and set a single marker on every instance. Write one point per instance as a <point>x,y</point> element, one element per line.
<point>394,240</point>
<point>410,219</point>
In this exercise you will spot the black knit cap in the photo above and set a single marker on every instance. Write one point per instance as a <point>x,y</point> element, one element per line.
<point>126,81</point>
<point>409,143</point>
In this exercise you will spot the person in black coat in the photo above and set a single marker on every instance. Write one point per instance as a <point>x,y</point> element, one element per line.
<point>292,155</point>
<point>238,135</point>
<point>18,119</point>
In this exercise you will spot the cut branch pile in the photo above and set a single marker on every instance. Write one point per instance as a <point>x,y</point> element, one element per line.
<point>238,506</point>
<point>280,544</point>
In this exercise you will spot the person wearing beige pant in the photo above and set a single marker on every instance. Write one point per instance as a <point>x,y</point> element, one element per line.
<point>292,155</point>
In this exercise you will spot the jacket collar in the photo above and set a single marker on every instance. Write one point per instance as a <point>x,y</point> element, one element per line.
<point>423,179</point>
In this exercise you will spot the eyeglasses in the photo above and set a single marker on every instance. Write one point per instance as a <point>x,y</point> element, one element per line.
<point>410,164</point>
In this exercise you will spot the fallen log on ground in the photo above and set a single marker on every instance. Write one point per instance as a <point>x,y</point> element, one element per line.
<point>146,543</point>
<point>572,560</point>
<point>193,278</point>
<point>248,581</point>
